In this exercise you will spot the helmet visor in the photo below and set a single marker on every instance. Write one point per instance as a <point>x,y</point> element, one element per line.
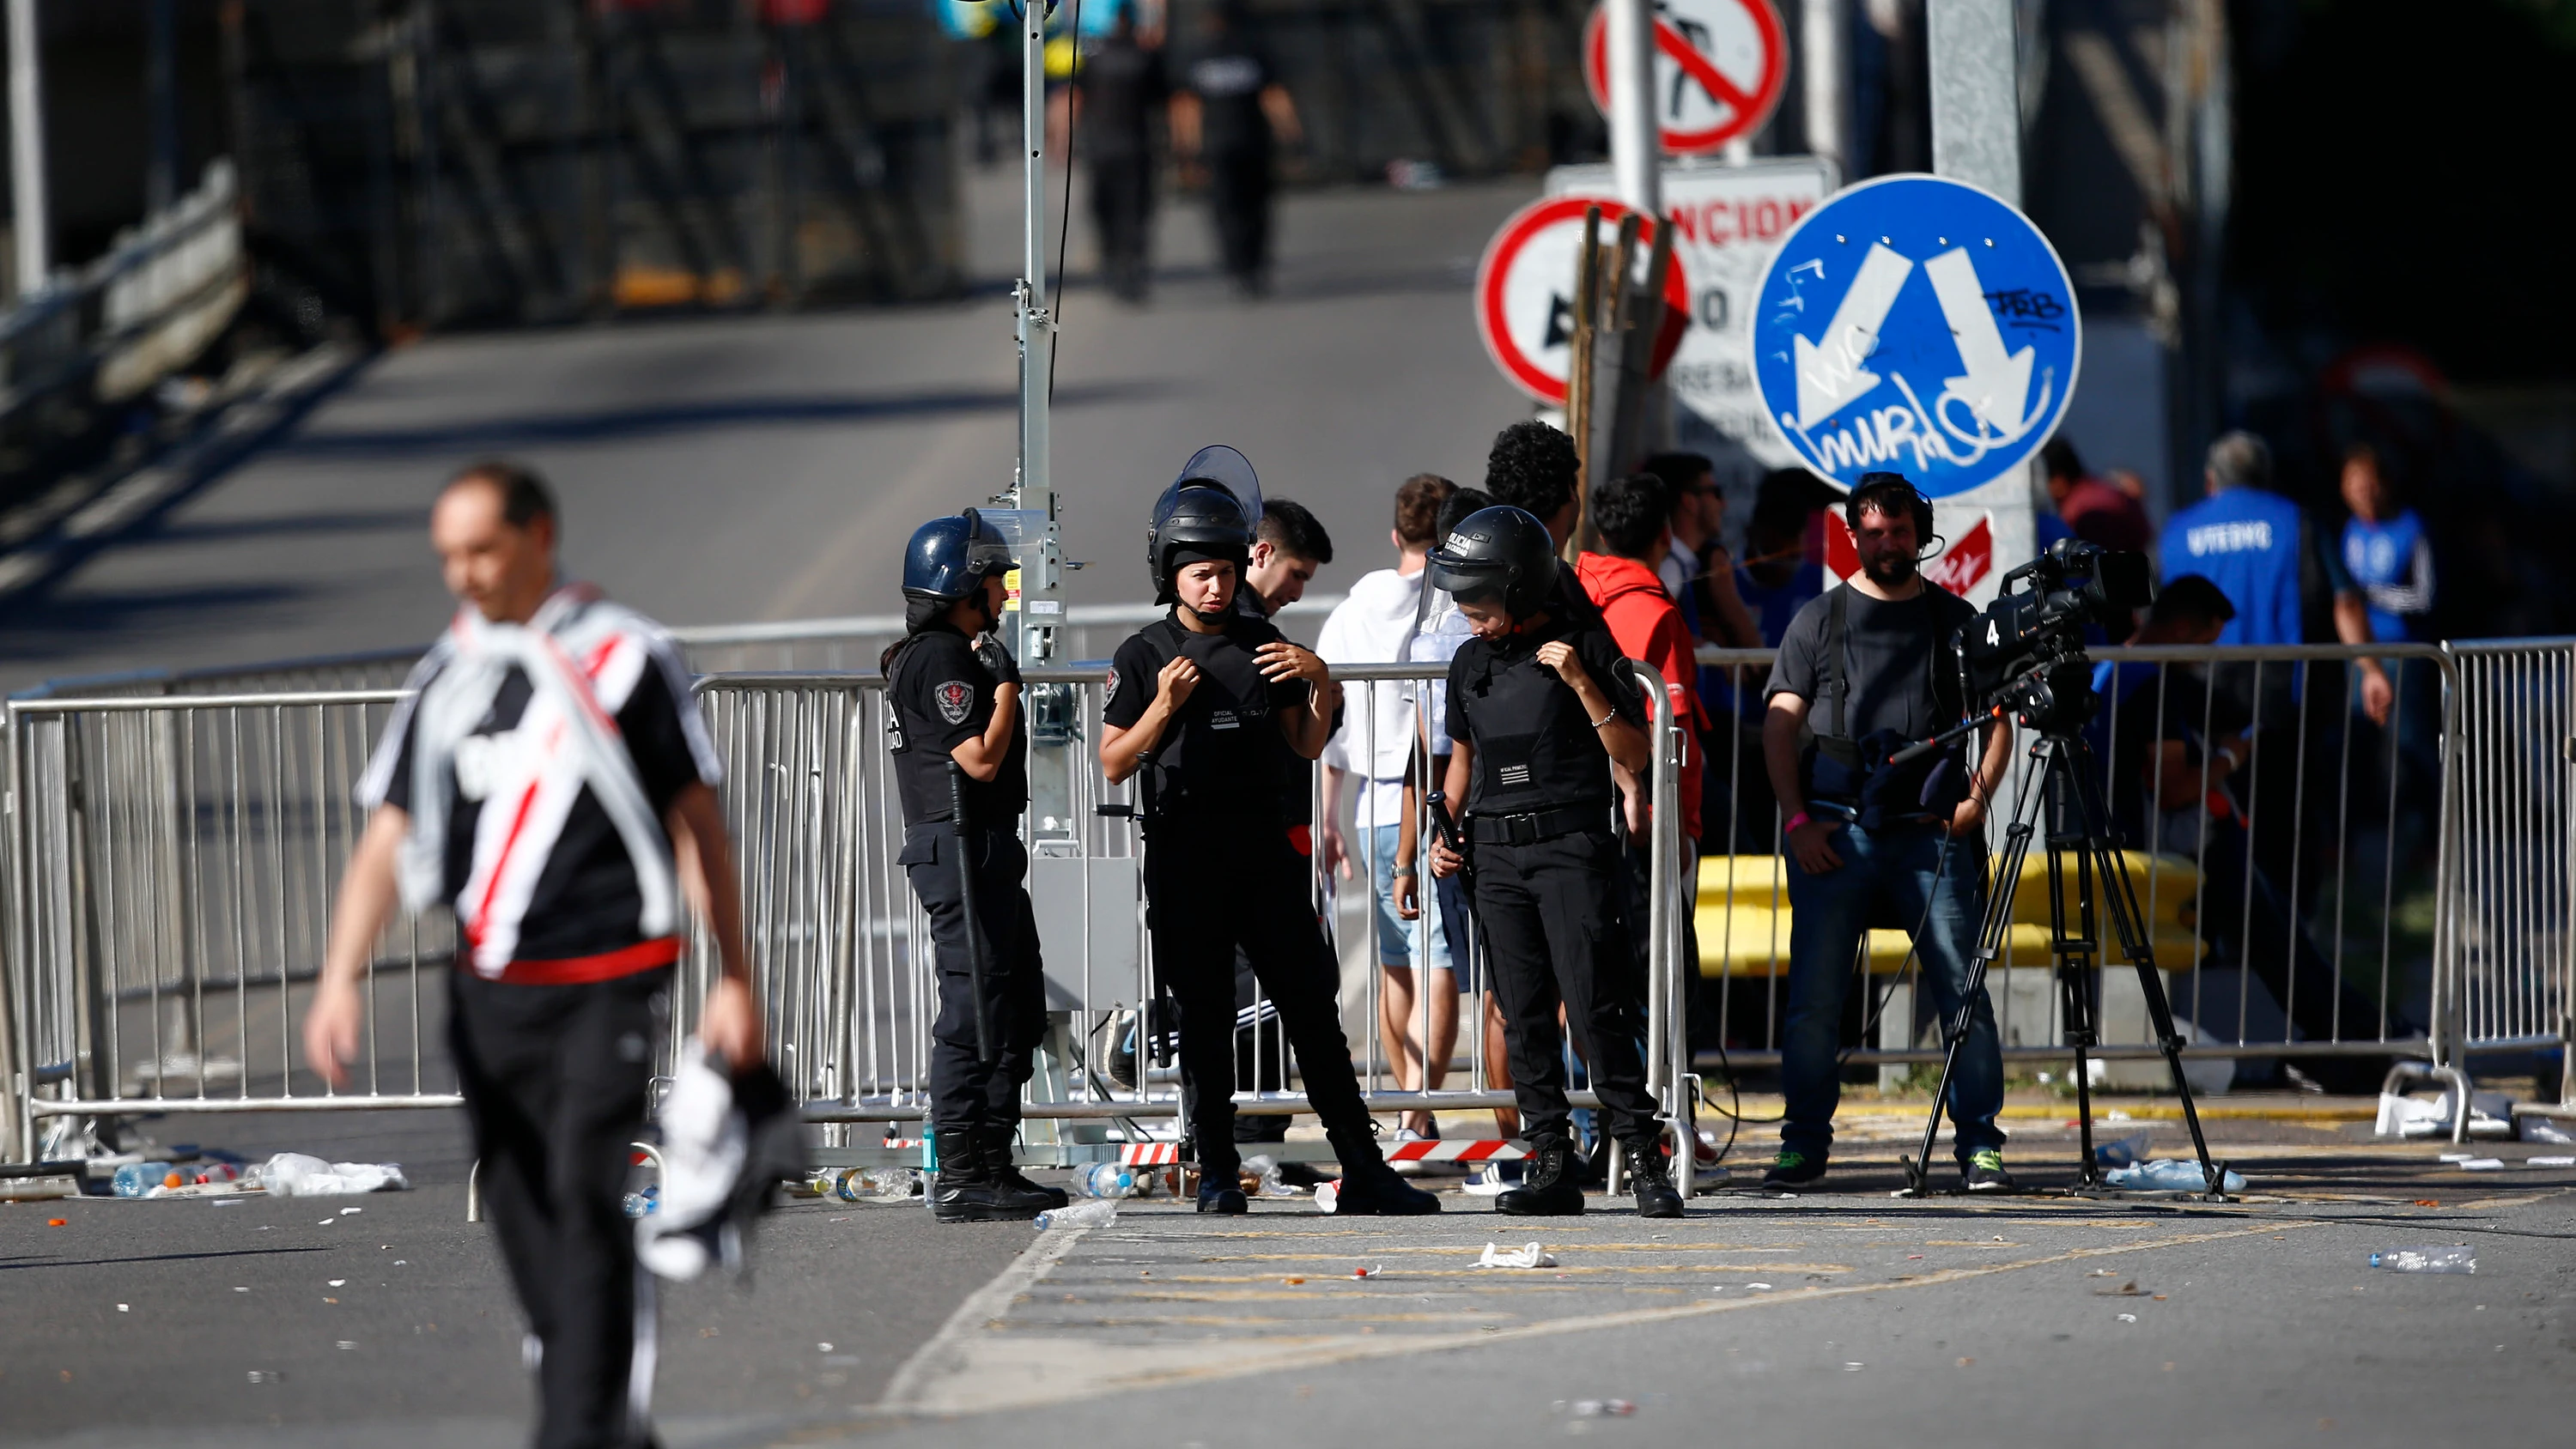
<point>1228,469</point>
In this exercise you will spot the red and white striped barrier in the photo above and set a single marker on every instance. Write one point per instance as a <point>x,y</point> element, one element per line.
<point>1496,1151</point>
<point>1149,1154</point>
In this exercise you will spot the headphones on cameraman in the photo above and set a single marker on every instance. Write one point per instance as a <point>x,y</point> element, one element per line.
<point>1915,503</point>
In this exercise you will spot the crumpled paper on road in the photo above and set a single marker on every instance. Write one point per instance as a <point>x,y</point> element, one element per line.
<point>1527,1256</point>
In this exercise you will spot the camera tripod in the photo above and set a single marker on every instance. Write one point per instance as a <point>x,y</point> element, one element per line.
<point>2061,781</point>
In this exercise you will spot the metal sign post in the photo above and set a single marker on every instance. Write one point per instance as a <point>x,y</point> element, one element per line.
<point>1038,591</point>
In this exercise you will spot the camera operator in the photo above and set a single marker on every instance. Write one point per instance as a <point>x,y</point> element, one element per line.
<point>1870,843</point>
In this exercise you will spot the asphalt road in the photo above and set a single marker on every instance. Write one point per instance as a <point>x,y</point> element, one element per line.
<point>769,467</point>
<point>1842,1316</point>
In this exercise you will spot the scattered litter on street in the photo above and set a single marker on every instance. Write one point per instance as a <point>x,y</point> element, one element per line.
<point>2166,1174</point>
<point>2427,1260</point>
<point>1595,1408</point>
<point>1098,1212</point>
<point>2482,1164</point>
<point>2549,1162</point>
<point>1528,1256</point>
<point>292,1174</point>
<point>2128,1318</point>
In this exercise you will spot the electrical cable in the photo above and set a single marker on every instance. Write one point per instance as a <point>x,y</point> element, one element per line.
<point>1073,80</point>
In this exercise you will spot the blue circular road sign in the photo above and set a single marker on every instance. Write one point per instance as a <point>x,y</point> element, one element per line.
<point>1920,325</point>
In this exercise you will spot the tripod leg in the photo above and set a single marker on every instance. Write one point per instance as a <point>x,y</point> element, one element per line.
<point>2129,922</point>
<point>1990,940</point>
<point>2075,957</point>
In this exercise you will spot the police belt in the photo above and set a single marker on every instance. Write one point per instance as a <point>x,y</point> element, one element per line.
<point>1532,826</point>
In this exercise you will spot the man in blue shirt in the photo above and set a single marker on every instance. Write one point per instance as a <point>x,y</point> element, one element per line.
<point>2390,557</point>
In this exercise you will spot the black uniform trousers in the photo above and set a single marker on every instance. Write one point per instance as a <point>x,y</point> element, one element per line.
<point>1211,889</point>
<point>1122,206</point>
<point>966,1094</point>
<point>555,1080</point>
<point>1555,929</point>
<point>1239,186</point>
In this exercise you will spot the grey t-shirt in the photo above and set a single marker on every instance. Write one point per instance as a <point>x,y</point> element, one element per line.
<point>1892,654</point>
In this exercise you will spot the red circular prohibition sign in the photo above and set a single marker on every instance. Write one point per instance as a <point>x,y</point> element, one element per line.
<point>1494,276</point>
<point>1747,108</point>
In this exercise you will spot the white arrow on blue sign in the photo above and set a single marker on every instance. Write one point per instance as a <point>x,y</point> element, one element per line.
<point>1920,325</point>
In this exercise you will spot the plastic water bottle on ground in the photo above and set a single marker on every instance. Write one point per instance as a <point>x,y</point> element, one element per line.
<point>135,1179</point>
<point>2427,1260</point>
<point>2166,1174</point>
<point>1102,1180</point>
<point>1098,1212</point>
<point>878,1184</point>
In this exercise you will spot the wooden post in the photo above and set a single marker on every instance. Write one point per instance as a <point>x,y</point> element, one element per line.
<point>1578,375</point>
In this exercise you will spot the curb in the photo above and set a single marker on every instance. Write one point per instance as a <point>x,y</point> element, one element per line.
<point>238,430</point>
<point>2209,1112</point>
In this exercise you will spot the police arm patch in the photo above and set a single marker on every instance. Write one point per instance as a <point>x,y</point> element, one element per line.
<point>956,698</point>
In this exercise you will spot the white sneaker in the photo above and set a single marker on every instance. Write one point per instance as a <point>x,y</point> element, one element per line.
<point>1409,1169</point>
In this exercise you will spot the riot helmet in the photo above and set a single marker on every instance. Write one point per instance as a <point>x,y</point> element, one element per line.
<point>1210,512</point>
<point>1499,550</point>
<point>949,558</point>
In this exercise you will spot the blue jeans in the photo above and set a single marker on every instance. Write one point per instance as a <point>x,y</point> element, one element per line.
<point>1394,932</point>
<point>1886,875</point>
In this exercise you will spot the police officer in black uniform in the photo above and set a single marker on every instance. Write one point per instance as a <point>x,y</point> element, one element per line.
<point>1195,701</point>
<point>953,695</point>
<point>1540,707</point>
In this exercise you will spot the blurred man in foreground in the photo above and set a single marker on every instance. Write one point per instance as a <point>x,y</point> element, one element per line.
<point>571,717</point>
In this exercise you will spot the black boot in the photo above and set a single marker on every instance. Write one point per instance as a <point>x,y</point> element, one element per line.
<point>1369,1188</point>
<point>1010,1189</point>
<point>1548,1188</point>
<point>962,1191</point>
<point>1651,1179</point>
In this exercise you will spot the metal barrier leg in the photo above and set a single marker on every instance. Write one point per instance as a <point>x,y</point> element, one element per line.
<point>474,1192</point>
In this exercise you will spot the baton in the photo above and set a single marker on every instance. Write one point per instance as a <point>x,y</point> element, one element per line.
<point>966,896</point>
<point>1447,829</point>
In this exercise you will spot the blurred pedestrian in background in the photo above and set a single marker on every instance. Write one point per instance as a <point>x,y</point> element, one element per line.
<point>2390,556</point>
<point>2091,509</point>
<point>1230,113</point>
<point>1121,86</point>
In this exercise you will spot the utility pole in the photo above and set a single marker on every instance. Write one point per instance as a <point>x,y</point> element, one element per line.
<point>1823,26</point>
<point>33,225</point>
<point>161,83</point>
<point>1619,372</point>
<point>1636,142</point>
<point>1976,138</point>
<point>1041,599</point>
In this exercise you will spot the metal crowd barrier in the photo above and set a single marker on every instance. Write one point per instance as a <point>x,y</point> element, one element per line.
<point>173,859</point>
<point>2516,826</point>
<point>172,856</point>
<point>2349,827</point>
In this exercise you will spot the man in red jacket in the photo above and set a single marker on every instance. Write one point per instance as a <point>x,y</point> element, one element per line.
<point>1633,515</point>
<point>1634,520</point>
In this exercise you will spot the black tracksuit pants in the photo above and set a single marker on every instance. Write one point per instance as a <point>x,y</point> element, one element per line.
<point>1553,919</point>
<point>1212,889</point>
<point>965,1094</point>
<point>555,1081</point>
<point>1239,188</point>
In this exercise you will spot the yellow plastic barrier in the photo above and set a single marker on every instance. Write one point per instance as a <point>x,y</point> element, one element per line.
<point>1743,916</point>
